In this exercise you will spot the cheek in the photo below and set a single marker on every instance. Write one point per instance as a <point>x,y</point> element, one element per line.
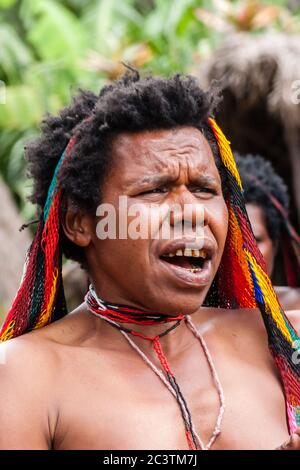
<point>218,222</point>
<point>122,259</point>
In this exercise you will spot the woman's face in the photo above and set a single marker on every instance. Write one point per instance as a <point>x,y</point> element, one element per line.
<point>265,243</point>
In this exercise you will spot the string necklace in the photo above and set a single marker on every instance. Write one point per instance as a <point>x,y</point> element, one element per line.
<point>113,313</point>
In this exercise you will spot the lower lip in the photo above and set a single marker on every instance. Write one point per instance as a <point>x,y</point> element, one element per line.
<point>189,278</point>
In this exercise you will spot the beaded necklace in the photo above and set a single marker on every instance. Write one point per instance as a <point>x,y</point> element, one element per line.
<point>113,313</point>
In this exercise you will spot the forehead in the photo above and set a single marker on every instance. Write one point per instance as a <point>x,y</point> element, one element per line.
<point>162,151</point>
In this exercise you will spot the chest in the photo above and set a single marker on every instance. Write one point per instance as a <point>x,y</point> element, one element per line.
<point>114,405</point>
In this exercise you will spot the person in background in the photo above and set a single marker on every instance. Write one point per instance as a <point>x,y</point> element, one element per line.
<point>267,204</point>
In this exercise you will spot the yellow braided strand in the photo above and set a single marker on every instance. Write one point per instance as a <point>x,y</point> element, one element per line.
<point>225,151</point>
<point>9,332</point>
<point>237,244</point>
<point>269,296</point>
<point>45,314</point>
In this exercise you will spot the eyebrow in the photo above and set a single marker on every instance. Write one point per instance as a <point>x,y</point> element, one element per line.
<point>165,179</point>
<point>205,179</point>
<point>157,179</point>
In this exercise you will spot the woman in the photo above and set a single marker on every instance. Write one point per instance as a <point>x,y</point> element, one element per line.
<point>267,204</point>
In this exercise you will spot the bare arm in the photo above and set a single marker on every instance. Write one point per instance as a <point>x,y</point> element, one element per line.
<point>23,406</point>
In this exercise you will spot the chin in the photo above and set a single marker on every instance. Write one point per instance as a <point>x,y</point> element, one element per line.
<point>186,303</point>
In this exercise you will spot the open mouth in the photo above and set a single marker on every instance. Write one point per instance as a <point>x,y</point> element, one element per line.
<point>192,260</point>
<point>189,266</point>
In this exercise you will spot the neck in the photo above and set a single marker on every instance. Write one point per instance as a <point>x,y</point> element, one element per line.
<point>173,332</point>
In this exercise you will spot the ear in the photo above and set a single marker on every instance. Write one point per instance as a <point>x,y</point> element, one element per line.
<point>77,225</point>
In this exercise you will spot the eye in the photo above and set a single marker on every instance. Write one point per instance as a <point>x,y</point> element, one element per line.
<point>155,191</point>
<point>206,190</point>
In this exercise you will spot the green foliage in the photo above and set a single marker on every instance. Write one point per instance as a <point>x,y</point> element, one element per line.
<point>49,48</point>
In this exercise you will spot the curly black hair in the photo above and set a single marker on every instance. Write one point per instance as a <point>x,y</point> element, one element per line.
<point>130,104</point>
<point>255,171</point>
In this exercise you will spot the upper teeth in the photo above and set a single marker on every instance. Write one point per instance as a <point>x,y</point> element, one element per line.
<point>188,252</point>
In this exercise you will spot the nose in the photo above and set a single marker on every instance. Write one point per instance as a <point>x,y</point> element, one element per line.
<point>187,210</point>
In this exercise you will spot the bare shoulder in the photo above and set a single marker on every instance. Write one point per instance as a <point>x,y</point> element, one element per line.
<point>31,368</point>
<point>26,354</point>
<point>27,371</point>
<point>232,319</point>
<point>40,348</point>
<point>75,329</point>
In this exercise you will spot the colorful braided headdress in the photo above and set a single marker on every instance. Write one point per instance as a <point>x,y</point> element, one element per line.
<point>40,298</point>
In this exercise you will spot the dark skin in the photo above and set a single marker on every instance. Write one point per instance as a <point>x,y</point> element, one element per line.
<point>167,180</point>
<point>77,383</point>
<point>289,297</point>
